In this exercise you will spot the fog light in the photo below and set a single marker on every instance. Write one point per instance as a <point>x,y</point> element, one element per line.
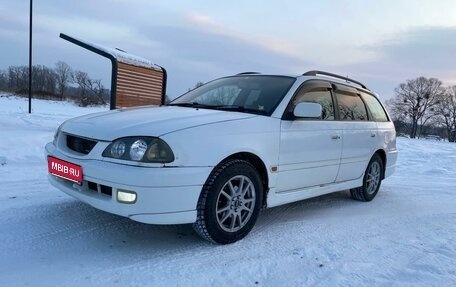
<point>126,196</point>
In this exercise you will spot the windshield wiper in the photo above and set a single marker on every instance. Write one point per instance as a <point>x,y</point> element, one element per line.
<point>241,109</point>
<point>235,108</point>
<point>191,105</point>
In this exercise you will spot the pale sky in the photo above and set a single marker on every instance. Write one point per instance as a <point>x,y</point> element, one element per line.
<point>381,43</point>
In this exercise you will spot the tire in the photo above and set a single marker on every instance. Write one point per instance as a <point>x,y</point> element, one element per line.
<point>371,181</point>
<point>229,203</point>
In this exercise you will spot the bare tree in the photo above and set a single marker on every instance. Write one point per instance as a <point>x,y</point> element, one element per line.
<point>64,77</point>
<point>18,79</point>
<point>446,112</point>
<point>90,91</point>
<point>44,81</point>
<point>53,83</point>
<point>197,85</point>
<point>416,100</point>
<point>97,88</point>
<point>3,81</point>
<point>80,78</point>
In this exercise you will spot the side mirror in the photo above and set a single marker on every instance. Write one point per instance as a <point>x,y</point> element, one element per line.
<point>307,110</point>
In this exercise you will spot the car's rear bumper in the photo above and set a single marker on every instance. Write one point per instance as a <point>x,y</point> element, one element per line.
<point>163,195</point>
<point>391,159</point>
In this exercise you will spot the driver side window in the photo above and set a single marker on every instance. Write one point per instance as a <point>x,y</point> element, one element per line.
<point>320,96</point>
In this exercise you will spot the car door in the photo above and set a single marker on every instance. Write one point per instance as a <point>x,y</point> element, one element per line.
<point>359,133</point>
<point>310,148</point>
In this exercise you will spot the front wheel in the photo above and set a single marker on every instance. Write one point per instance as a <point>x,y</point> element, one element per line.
<point>229,203</point>
<point>371,181</point>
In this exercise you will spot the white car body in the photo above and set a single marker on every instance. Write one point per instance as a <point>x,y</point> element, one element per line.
<point>302,159</point>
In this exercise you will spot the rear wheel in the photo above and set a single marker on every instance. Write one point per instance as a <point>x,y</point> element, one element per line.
<point>229,203</point>
<point>371,181</point>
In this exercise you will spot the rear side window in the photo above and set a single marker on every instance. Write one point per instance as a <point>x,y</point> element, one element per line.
<point>320,96</point>
<point>351,107</point>
<point>375,108</point>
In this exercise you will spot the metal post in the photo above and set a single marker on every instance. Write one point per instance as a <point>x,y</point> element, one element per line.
<point>30,59</point>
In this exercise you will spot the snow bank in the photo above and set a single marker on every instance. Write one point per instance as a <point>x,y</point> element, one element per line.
<point>23,135</point>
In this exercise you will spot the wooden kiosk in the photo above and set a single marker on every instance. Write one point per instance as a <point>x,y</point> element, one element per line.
<point>135,81</point>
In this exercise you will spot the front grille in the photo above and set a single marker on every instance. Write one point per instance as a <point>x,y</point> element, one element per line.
<point>99,188</point>
<point>80,145</point>
<point>92,185</point>
<point>106,189</point>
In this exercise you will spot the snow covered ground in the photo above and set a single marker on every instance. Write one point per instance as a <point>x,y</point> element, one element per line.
<point>405,237</point>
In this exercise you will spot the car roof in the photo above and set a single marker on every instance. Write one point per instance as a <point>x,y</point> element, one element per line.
<point>319,75</point>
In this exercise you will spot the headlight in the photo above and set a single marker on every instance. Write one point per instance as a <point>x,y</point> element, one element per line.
<point>138,149</point>
<point>141,149</point>
<point>118,149</point>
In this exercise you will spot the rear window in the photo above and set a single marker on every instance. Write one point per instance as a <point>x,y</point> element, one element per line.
<point>375,108</point>
<point>351,107</point>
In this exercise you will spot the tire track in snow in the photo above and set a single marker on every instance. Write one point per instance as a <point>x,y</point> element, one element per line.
<point>299,211</point>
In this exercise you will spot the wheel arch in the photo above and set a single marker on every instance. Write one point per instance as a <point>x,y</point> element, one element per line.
<point>259,165</point>
<point>382,155</point>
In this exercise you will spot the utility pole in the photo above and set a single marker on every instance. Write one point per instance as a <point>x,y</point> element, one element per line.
<point>30,59</point>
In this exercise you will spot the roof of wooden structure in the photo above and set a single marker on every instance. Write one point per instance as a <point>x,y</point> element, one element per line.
<point>135,81</point>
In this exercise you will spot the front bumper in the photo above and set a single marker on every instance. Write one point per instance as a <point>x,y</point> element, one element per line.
<point>165,195</point>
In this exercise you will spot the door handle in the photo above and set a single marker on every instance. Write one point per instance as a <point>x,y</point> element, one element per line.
<point>372,135</point>
<point>335,137</point>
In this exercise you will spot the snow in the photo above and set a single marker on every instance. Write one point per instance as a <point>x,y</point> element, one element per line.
<point>405,237</point>
<point>123,56</point>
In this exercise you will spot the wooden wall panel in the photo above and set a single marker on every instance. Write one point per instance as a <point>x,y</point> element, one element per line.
<point>138,86</point>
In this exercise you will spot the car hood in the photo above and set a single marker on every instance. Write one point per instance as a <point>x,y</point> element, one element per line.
<point>145,121</point>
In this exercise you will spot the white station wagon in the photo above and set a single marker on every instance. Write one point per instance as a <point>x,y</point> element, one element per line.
<point>218,154</point>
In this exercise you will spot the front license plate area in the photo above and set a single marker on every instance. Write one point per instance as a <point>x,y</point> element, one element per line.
<point>64,169</point>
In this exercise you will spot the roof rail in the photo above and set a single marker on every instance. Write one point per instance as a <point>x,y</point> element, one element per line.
<point>316,72</point>
<point>247,73</point>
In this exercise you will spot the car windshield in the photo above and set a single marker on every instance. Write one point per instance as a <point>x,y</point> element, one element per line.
<point>247,93</point>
